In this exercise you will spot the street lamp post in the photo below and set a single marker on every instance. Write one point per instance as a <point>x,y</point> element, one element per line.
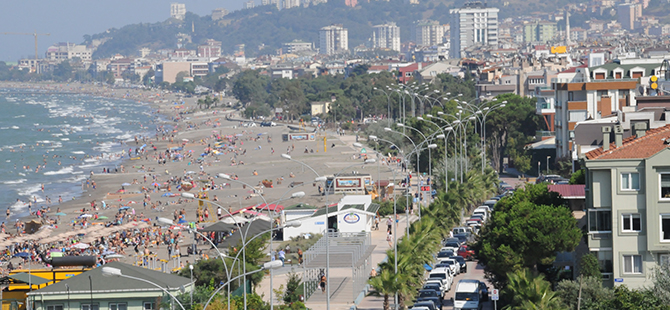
<point>111,272</point>
<point>190,267</point>
<point>267,266</point>
<point>320,178</point>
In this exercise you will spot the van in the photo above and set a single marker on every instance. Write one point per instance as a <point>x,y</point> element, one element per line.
<point>490,203</point>
<point>460,230</point>
<point>468,295</point>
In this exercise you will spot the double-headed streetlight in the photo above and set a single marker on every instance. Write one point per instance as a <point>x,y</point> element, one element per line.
<point>481,112</point>
<point>388,102</point>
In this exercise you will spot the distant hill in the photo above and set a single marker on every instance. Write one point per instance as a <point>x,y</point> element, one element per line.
<point>266,25</point>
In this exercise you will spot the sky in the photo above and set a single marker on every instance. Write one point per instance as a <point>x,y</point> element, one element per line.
<point>70,20</point>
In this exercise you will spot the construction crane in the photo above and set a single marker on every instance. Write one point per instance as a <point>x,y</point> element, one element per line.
<point>35,34</point>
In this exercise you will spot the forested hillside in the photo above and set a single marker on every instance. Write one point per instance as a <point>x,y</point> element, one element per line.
<point>267,27</point>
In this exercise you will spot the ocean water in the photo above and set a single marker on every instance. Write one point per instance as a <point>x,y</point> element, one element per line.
<point>56,140</point>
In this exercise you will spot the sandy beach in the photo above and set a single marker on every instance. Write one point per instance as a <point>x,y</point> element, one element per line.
<point>137,192</point>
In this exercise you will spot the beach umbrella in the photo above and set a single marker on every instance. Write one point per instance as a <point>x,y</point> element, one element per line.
<point>80,246</point>
<point>124,208</point>
<point>155,184</point>
<point>125,184</point>
<point>102,217</point>
<point>85,215</point>
<point>60,214</point>
<point>168,194</point>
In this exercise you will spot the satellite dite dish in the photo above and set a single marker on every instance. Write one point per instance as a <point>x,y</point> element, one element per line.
<point>640,90</point>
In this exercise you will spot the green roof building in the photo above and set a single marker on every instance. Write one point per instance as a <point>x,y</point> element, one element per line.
<point>93,291</point>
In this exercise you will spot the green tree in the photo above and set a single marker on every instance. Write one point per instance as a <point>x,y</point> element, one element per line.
<point>593,293</point>
<point>517,120</point>
<point>523,234</point>
<point>529,292</point>
<point>579,177</point>
<point>589,266</point>
<point>293,289</point>
<point>661,279</point>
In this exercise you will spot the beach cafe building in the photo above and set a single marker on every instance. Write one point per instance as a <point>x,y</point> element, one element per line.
<point>353,214</point>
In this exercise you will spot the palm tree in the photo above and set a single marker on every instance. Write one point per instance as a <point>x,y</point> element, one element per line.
<point>528,291</point>
<point>385,285</point>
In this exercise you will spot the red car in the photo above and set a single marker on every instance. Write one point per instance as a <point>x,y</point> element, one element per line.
<point>466,253</point>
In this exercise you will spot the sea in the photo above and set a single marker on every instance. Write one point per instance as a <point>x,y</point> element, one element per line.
<point>55,140</point>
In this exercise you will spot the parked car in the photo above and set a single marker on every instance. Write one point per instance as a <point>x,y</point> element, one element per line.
<point>453,246</point>
<point>465,252</point>
<point>444,275</point>
<point>268,124</point>
<point>437,301</point>
<point>463,238</point>
<point>452,264</point>
<point>425,304</point>
<point>434,287</point>
<point>461,261</point>
<point>445,253</point>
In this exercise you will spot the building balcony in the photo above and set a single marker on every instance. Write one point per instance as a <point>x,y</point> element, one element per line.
<point>577,105</point>
<point>543,134</point>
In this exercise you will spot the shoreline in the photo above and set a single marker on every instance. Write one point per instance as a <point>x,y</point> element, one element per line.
<point>158,103</point>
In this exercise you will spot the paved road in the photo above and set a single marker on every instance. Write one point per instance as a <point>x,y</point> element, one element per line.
<point>475,272</point>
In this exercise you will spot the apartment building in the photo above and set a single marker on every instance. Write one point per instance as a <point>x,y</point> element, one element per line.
<point>386,36</point>
<point>628,204</point>
<point>333,39</point>
<point>65,51</point>
<point>178,10</point>
<point>168,70</point>
<point>211,49</point>
<point>296,46</point>
<point>428,33</point>
<point>248,4</point>
<point>628,13</point>
<point>592,93</point>
<point>471,25</point>
<point>539,31</point>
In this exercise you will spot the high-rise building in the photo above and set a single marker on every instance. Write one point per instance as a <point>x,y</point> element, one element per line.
<point>351,3</point>
<point>473,24</point>
<point>627,13</point>
<point>386,36</point>
<point>249,4</point>
<point>178,10</point>
<point>333,39</point>
<point>541,31</point>
<point>288,4</point>
<point>427,33</point>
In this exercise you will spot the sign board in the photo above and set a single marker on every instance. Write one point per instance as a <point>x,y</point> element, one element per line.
<point>618,280</point>
<point>494,294</point>
<point>363,151</point>
<point>319,223</point>
<point>352,218</point>
<point>348,182</point>
<point>425,188</point>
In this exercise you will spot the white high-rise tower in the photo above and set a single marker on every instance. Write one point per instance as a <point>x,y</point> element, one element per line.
<point>473,24</point>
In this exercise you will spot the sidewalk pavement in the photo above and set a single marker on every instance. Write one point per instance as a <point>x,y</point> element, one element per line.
<point>378,255</point>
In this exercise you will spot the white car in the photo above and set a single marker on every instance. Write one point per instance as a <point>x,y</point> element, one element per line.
<point>455,266</point>
<point>442,274</point>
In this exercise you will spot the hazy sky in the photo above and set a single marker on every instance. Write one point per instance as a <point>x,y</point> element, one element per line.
<point>69,20</point>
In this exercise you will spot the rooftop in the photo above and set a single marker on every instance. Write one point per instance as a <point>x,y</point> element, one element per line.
<point>654,141</point>
<point>568,191</point>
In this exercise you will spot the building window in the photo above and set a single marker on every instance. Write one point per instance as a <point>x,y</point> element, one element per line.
<point>632,264</point>
<point>149,306</point>
<point>665,227</point>
<point>600,220</point>
<point>118,306</point>
<point>636,74</point>
<point>630,181</point>
<point>577,116</point>
<point>89,307</point>
<point>631,222</point>
<point>664,259</point>
<point>665,185</point>
<point>55,307</point>
<point>604,260</point>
